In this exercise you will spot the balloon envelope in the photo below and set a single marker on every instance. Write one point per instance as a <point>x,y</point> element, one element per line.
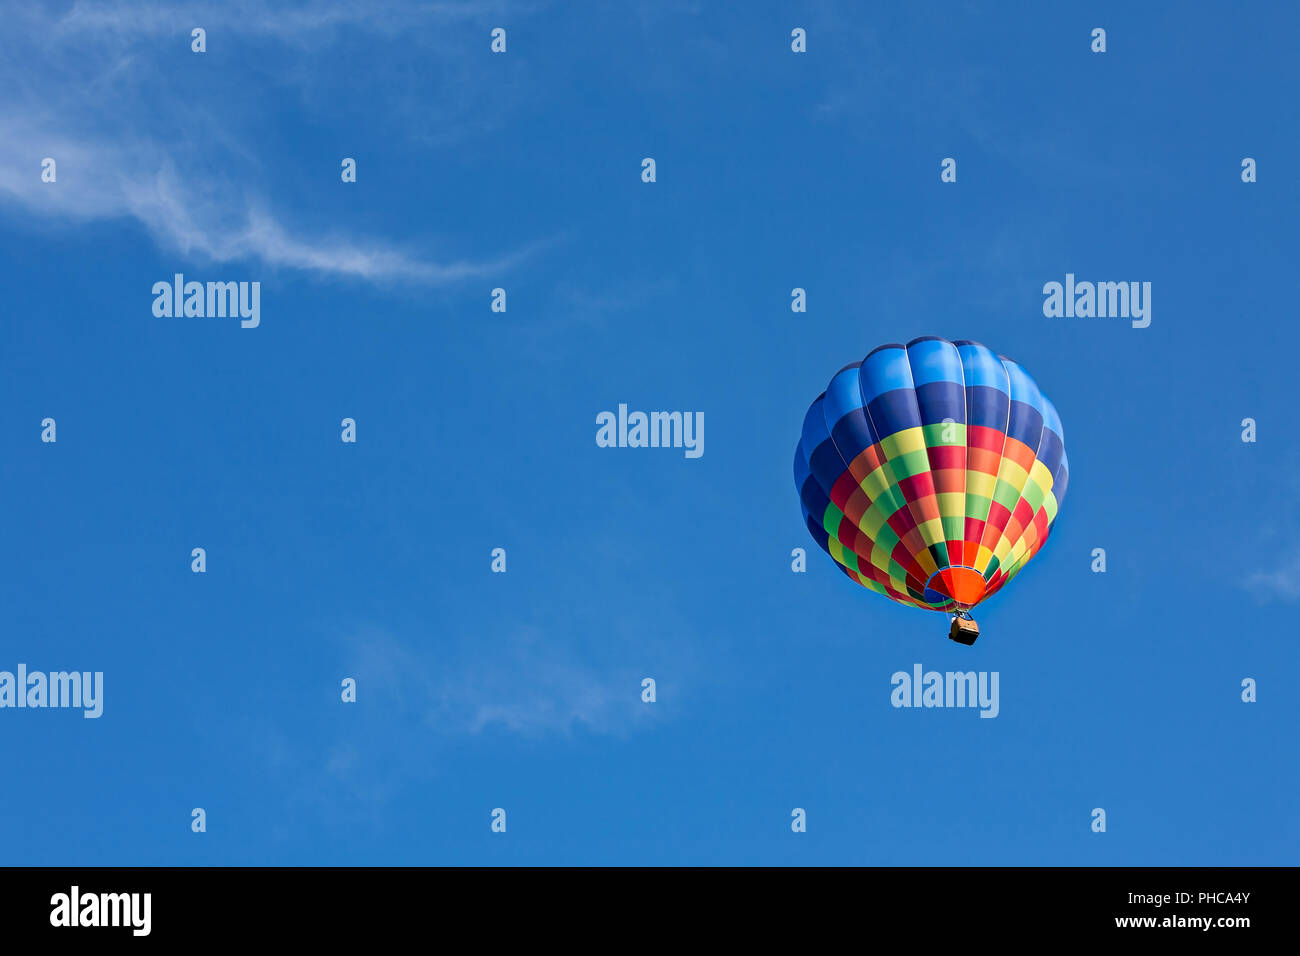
<point>931,472</point>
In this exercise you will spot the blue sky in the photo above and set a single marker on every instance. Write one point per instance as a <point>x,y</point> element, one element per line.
<point>476,430</point>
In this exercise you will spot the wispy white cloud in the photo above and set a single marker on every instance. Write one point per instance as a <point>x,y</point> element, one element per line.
<point>522,683</point>
<point>418,698</point>
<point>86,88</point>
<point>286,21</point>
<point>1282,582</point>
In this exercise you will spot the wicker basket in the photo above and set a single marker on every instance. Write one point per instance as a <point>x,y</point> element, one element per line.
<point>964,631</point>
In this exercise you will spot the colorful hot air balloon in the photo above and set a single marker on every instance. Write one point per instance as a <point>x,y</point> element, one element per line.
<point>932,473</point>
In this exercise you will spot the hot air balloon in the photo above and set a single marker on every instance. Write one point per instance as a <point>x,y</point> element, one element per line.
<point>932,473</point>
